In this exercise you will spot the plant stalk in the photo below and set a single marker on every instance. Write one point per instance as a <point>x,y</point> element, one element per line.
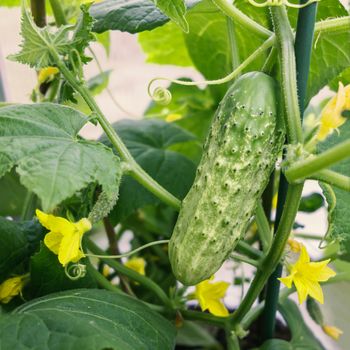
<point>332,178</point>
<point>274,255</point>
<point>58,13</point>
<point>239,17</point>
<point>306,167</point>
<point>134,169</point>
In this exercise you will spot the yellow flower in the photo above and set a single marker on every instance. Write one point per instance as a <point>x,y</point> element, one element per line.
<point>136,264</point>
<point>47,74</point>
<point>306,276</point>
<point>11,287</point>
<point>332,331</point>
<point>64,238</point>
<point>173,117</point>
<point>331,117</point>
<point>209,295</point>
<point>294,245</point>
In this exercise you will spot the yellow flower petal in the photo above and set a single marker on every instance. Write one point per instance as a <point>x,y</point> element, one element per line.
<point>47,74</point>
<point>10,288</point>
<point>53,241</point>
<point>331,117</point>
<point>332,331</point>
<point>217,308</point>
<point>301,289</point>
<point>54,223</point>
<point>287,281</point>
<point>70,248</point>
<point>136,264</point>
<point>209,294</point>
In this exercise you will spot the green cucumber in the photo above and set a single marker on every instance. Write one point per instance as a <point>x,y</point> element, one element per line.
<point>239,155</point>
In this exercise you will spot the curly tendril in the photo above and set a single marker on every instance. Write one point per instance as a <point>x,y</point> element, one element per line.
<point>280,3</point>
<point>162,95</point>
<point>75,271</point>
<point>129,253</point>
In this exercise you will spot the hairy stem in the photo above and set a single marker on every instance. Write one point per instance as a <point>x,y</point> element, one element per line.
<point>274,255</point>
<point>264,229</point>
<point>285,42</point>
<point>304,168</point>
<point>58,12</point>
<point>244,259</point>
<point>134,169</point>
<point>332,178</point>
<point>239,17</point>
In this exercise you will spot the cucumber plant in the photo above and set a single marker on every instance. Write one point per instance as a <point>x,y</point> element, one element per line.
<point>195,181</point>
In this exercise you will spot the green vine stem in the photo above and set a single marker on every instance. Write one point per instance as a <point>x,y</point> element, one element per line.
<point>332,178</point>
<point>306,167</point>
<point>244,259</point>
<point>264,229</point>
<point>271,260</point>
<point>135,276</point>
<point>239,17</point>
<point>285,42</point>
<point>58,13</point>
<point>133,168</point>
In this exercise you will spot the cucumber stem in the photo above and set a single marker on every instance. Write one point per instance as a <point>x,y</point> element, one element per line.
<point>332,178</point>
<point>239,17</point>
<point>306,167</point>
<point>58,13</point>
<point>264,229</point>
<point>274,255</point>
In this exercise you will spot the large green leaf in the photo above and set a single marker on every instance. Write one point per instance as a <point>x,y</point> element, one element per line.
<point>135,16</point>
<point>149,141</point>
<point>18,241</point>
<point>47,275</point>
<point>339,218</point>
<point>165,45</point>
<point>86,319</point>
<point>42,141</point>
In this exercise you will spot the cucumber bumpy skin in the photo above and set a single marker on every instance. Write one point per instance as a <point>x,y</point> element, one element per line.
<point>239,155</point>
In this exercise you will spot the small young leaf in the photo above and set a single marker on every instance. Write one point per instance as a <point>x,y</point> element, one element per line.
<point>52,160</point>
<point>35,47</point>
<point>82,35</point>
